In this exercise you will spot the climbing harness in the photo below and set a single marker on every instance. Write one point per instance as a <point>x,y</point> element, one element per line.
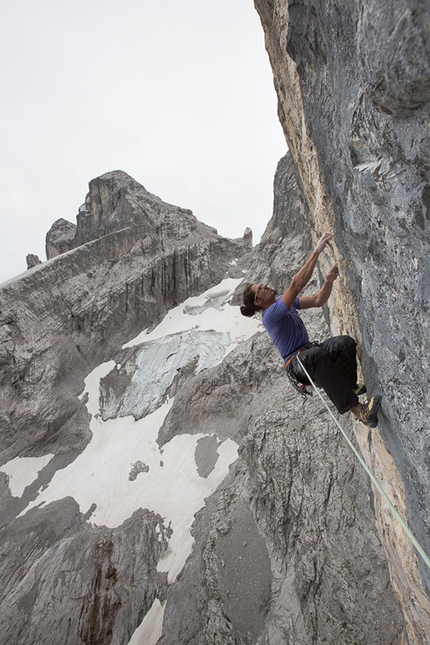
<point>373,479</point>
<point>298,385</point>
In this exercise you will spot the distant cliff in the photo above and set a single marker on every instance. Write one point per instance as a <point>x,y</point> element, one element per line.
<point>131,258</point>
<point>68,576</point>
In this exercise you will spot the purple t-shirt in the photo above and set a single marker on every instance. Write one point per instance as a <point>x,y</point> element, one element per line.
<point>285,328</point>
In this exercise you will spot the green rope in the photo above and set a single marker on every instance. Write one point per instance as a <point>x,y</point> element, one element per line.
<point>394,511</point>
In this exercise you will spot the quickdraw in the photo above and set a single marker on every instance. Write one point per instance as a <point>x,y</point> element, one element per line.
<point>300,387</point>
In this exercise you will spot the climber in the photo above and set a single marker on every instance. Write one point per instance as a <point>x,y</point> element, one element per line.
<point>331,364</point>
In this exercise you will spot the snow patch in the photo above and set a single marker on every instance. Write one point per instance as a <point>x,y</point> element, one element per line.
<point>100,476</point>
<point>23,471</point>
<point>92,386</point>
<point>150,629</point>
<point>221,317</point>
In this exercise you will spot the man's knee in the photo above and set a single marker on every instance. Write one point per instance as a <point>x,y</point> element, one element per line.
<point>338,344</point>
<point>347,341</point>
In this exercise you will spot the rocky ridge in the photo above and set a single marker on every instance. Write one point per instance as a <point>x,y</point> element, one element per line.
<point>78,308</point>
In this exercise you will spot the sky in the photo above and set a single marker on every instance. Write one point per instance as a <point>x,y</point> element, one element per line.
<point>177,93</point>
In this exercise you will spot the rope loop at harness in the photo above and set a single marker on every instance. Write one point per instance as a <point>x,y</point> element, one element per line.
<point>298,385</point>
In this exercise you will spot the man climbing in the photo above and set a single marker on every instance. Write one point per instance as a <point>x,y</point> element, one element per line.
<point>331,364</point>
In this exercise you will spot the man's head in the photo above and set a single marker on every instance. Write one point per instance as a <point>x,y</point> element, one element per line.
<point>257,297</point>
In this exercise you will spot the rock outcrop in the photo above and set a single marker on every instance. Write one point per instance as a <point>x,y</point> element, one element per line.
<point>32,260</point>
<point>60,238</point>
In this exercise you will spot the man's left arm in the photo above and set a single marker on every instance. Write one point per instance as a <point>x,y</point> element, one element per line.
<point>321,297</point>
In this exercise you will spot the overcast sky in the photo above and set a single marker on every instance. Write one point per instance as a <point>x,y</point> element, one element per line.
<point>177,93</point>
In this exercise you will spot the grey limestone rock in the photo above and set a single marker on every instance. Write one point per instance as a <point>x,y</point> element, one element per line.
<point>63,581</point>
<point>32,260</point>
<point>286,550</point>
<point>131,259</point>
<point>60,238</point>
<point>309,500</point>
<point>353,89</point>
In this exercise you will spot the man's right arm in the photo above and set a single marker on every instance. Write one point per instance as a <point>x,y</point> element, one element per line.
<point>321,297</point>
<point>303,276</point>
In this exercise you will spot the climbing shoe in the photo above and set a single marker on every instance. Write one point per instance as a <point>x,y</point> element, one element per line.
<point>369,411</point>
<point>359,389</point>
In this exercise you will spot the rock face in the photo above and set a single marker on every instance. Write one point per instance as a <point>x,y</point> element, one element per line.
<point>308,498</point>
<point>353,89</point>
<point>52,554</point>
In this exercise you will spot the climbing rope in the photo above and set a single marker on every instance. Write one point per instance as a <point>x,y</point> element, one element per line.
<point>375,482</point>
